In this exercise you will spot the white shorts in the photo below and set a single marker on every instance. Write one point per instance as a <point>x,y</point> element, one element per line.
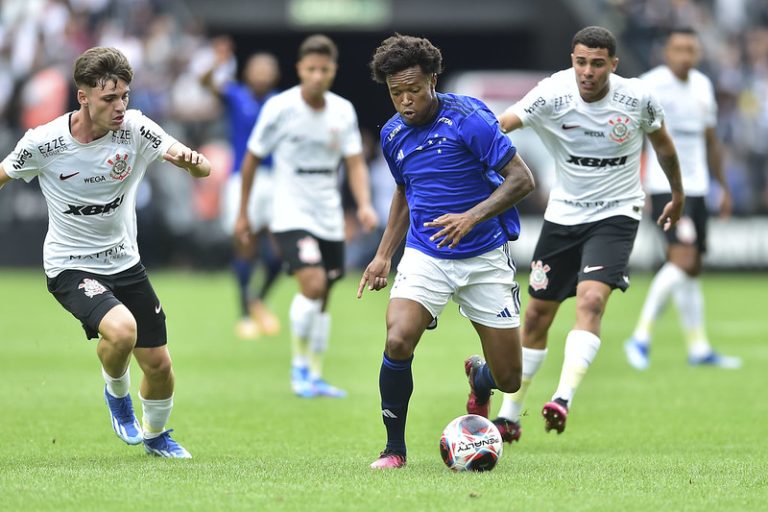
<point>484,286</point>
<point>259,204</point>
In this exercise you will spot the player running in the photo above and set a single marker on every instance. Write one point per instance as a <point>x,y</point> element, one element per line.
<point>458,180</point>
<point>593,123</point>
<point>690,108</point>
<point>89,164</point>
<point>309,130</point>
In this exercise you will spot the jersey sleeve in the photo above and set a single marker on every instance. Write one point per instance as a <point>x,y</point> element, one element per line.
<point>534,107</point>
<point>352,142</point>
<point>651,114</point>
<point>23,163</point>
<point>480,132</point>
<point>154,142</point>
<point>265,134</point>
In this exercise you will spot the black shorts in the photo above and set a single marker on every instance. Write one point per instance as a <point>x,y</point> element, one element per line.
<point>90,296</point>
<point>595,251</point>
<point>302,249</point>
<point>691,229</point>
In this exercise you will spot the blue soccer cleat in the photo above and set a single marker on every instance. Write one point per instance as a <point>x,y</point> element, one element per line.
<point>300,383</point>
<point>716,360</point>
<point>322,388</point>
<point>164,446</point>
<point>637,354</point>
<point>124,422</point>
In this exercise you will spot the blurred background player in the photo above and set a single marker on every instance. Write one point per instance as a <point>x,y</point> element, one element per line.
<point>690,112</point>
<point>447,155</point>
<point>243,101</point>
<point>309,130</point>
<point>593,123</point>
<point>89,164</point>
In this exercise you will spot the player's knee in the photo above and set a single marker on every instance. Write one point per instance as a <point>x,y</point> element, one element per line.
<point>314,290</point>
<point>120,332</point>
<point>537,319</point>
<point>398,346</point>
<point>591,303</point>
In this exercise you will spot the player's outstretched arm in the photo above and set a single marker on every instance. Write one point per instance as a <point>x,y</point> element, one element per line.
<point>667,156</point>
<point>191,161</point>
<point>4,178</point>
<point>509,121</point>
<point>518,183</point>
<point>377,271</point>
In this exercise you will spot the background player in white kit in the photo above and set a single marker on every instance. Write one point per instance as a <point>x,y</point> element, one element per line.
<point>309,130</point>
<point>89,164</point>
<point>690,112</point>
<point>593,123</point>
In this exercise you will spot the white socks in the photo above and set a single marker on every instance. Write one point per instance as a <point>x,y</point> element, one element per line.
<point>690,303</point>
<point>318,343</point>
<point>513,402</point>
<point>668,279</point>
<point>118,387</point>
<point>580,350</point>
<point>155,414</point>
<point>302,314</point>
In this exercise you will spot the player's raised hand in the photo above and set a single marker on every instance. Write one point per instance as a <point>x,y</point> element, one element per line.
<point>375,275</point>
<point>454,227</point>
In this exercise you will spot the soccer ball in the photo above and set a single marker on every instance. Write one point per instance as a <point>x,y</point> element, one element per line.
<point>471,443</point>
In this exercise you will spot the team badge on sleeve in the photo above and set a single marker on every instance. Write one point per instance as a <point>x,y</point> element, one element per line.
<point>538,278</point>
<point>91,287</point>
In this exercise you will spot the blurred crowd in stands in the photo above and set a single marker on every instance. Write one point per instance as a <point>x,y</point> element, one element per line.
<point>169,49</point>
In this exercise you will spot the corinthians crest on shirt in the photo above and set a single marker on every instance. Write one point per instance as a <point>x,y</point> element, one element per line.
<point>120,168</point>
<point>619,129</point>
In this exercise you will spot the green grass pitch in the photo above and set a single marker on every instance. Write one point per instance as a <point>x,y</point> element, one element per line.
<point>671,438</point>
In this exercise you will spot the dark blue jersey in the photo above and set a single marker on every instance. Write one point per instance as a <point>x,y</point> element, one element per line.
<point>243,110</point>
<point>448,166</point>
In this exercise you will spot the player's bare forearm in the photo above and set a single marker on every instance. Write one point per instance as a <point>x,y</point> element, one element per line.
<point>508,121</point>
<point>359,185</point>
<point>247,177</point>
<point>667,157</point>
<point>195,163</point>
<point>4,178</point>
<point>518,183</point>
<point>715,158</point>
<point>397,225</point>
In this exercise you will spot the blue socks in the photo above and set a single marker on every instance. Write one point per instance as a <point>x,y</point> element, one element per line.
<point>484,382</point>
<point>395,386</point>
<point>243,269</point>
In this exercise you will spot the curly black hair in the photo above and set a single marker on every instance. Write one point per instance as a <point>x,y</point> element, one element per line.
<point>595,37</point>
<point>400,52</point>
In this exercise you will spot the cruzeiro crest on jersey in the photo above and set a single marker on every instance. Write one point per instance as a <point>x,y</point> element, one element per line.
<point>120,168</point>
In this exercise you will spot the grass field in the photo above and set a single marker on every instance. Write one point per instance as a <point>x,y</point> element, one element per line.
<point>673,438</point>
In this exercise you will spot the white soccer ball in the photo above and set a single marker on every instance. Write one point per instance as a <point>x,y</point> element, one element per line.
<point>471,443</point>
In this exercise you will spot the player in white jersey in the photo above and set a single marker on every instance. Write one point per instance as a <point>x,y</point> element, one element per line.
<point>690,110</point>
<point>89,164</point>
<point>309,130</point>
<point>593,123</point>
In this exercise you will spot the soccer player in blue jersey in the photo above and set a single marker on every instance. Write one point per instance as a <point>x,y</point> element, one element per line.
<point>243,101</point>
<point>458,180</point>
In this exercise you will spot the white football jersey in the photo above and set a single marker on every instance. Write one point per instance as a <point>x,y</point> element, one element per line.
<point>690,108</point>
<point>307,147</point>
<point>90,190</point>
<point>596,146</point>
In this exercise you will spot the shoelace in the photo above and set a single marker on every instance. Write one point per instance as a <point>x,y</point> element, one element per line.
<point>124,410</point>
